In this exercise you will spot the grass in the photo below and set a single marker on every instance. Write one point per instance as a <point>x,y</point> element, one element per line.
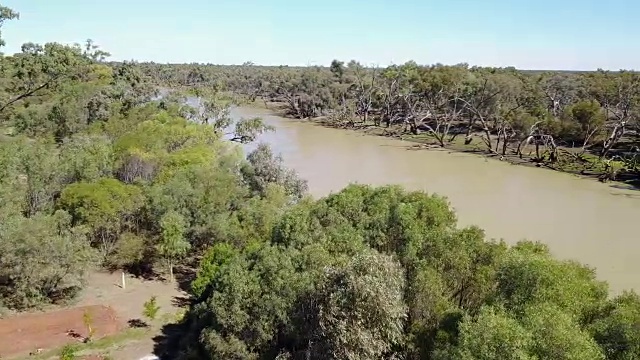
<point>102,344</point>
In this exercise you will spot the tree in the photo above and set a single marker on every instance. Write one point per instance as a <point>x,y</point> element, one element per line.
<point>203,195</point>
<point>558,335</point>
<point>618,95</point>
<point>358,310</point>
<point>38,168</point>
<point>86,158</point>
<point>41,69</point>
<point>530,276</point>
<point>337,68</point>
<point>247,130</point>
<point>91,159</point>
<point>6,14</point>
<point>106,206</point>
<point>133,253</point>
<point>216,257</point>
<point>492,335</point>
<point>151,308</point>
<point>172,245</point>
<point>248,304</point>
<point>617,329</point>
<point>42,259</point>
<point>589,119</point>
<point>263,168</point>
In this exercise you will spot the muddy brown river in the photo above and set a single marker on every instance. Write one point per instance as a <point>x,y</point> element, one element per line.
<point>579,219</point>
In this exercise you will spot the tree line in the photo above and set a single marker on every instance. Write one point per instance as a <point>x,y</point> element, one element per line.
<point>584,122</point>
<point>99,172</point>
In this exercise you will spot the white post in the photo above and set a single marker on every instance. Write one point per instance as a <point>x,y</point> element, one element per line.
<point>123,283</point>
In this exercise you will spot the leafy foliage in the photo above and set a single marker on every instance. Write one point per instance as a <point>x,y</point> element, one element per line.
<point>151,308</point>
<point>94,171</point>
<point>383,273</point>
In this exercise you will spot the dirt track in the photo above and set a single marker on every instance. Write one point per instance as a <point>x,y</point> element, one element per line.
<point>23,334</point>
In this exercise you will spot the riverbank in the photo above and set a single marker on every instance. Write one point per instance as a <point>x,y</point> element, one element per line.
<point>570,161</point>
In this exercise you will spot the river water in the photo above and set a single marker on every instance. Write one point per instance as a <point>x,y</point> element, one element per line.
<point>581,219</point>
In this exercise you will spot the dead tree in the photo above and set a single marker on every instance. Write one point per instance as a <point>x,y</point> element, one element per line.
<point>415,112</point>
<point>589,134</point>
<point>390,101</point>
<point>364,92</point>
<point>620,107</point>
<point>505,134</point>
<point>479,109</point>
<point>504,126</point>
<point>446,109</point>
<point>615,136</point>
<point>539,138</point>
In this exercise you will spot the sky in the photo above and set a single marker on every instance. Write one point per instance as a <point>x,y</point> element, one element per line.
<point>535,34</point>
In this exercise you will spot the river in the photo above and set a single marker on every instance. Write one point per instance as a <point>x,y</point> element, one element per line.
<point>579,219</point>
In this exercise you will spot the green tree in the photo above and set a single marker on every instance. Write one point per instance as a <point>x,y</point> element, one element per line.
<point>172,245</point>
<point>492,335</point>
<point>249,303</point>
<point>588,119</point>
<point>42,258</point>
<point>358,310</point>
<point>557,334</point>
<point>106,206</point>
<point>530,276</point>
<point>617,329</point>
<point>151,308</point>
<point>133,253</point>
<point>6,14</point>
<point>337,68</point>
<point>210,265</point>
<point>263,168</point>
<point>35,174</point>
<point>86,158</point>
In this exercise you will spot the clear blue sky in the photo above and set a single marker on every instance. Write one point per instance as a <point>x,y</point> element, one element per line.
<point>532,34</point>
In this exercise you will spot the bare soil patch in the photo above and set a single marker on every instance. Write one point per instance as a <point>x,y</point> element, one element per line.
<point>112,308</point>
<point>23,334</point>
<point>106,289</point>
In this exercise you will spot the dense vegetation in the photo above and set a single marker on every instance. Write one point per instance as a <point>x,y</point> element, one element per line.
<point>578,122</point>
<point>97,171</point>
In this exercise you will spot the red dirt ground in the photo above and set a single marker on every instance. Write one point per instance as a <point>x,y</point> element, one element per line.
<point>26,333</point>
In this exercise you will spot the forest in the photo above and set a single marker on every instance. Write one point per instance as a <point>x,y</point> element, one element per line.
<point>579,122</point>
<point>99,171</point>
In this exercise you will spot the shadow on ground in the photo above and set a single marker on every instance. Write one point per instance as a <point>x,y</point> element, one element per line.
<point>137,323</point>
<point>167,344</point>
<point>181,301</point>
<point>184,275</point>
